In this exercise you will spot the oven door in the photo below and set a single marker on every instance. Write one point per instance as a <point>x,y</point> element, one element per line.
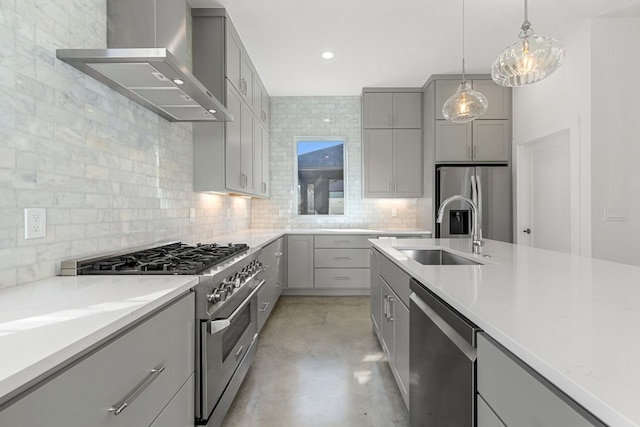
<point>225,343</point>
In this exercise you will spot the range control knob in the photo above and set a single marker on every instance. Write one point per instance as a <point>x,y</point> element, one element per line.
<point>217,296</point>
<point>228,287</point>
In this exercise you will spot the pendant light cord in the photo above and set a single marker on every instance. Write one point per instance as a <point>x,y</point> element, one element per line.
<point>463,76</point>
<point>526,10</point>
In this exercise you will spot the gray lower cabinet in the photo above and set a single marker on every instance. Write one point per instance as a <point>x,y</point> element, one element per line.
<point>375,290</point>
<point>272,259</point>
<point>299,261</point>
<point>179,412</point>
<point>518,396</point>
<point>156,355</point>
<point>394,320</point>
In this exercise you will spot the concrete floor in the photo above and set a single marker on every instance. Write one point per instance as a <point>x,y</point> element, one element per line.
<point>319,365</point>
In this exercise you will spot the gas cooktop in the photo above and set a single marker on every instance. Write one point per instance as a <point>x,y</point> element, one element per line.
<point>172,258</point>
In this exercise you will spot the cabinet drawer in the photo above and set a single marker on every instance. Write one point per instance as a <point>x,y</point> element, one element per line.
<point>82,395</point>
<point>397,279</point>
<point>519,395</point>
<point>179,412</point>
<point>486,417</point>
<point>341,241</point>
<point>341,258</point>
<point>272,257</point>
<point>342,278</point>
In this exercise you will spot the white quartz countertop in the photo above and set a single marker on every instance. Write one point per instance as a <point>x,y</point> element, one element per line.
<point>573,319</point>
<point>45,323</point>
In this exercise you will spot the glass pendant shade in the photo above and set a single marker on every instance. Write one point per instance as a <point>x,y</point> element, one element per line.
<point>465,105</point>
<point>530,59</point>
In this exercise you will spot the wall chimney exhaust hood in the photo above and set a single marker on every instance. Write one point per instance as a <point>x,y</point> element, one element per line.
<point>146,61</point>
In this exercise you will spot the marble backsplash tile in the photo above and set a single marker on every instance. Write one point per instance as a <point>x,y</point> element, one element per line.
<point>293,117</point>
<point>110,173</point>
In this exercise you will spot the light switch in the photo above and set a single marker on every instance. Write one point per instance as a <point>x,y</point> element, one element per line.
<point>616,214</point>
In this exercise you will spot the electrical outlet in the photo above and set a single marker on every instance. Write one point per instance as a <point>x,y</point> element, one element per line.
<point>35,223</point>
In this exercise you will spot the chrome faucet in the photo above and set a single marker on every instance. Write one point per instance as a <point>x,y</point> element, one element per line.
<point>476,231</point>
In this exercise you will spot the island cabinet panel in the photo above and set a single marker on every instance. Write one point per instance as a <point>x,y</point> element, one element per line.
<point>179,412</point>
<point>397,279</point>
<point>486,417</point>
<point>521,397</point>
<point>375,290</point>
<point>394,336</point>
<point>156,356</point>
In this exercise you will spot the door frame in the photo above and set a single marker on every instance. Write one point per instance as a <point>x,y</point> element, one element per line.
<point>576,185</point>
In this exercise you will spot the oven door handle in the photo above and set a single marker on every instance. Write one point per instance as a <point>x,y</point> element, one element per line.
<point>217,326</point>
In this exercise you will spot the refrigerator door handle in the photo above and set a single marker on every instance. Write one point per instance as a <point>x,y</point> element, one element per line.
<point>476,196</point>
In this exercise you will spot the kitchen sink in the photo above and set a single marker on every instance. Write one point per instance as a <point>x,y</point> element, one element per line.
<point>437,257</point>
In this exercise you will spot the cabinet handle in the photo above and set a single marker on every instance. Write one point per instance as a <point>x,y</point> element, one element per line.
<point>278,283</point>
<point>469,150</point>
<point>279,254</point>
<point>475,152</point>
<point>264,187</point>
<point>385,306</point>
<point>264,306</point>
<point>390,187</point>
<point>342,258</point>
<point>117,410</point>
<point>239,352</point>
<point>391,311</point>
<point>342,278</point>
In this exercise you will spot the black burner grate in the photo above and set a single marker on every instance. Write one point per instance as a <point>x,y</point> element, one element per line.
<point>175,258</point>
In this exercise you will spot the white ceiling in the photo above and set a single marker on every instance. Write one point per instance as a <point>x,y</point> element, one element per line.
<point>389,42</point>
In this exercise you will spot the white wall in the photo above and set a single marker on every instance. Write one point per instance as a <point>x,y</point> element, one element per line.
<point>594,92</point>
<point>562,101</point>
<point>615,141</point>
<point>110,173</point>
<point>305,116</point>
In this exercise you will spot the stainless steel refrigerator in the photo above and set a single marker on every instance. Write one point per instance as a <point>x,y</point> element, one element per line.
<point>495,201</point>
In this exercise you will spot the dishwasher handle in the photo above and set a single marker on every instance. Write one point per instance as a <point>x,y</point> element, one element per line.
<point>458,340</point>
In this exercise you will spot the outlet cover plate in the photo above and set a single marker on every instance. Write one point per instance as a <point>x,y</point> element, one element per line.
<point>35,223</point>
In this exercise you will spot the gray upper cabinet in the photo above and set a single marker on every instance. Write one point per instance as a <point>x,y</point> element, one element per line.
<point>392,162</point>
<point>387,110</point>
<point>486,139</point>
<point>392,142</point>
<point>232,156</point>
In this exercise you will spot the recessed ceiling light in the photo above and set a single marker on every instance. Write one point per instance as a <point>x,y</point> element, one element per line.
<point>327,54</point>
<point>178,81</point>
<point>212,111</point>
<point>327,120</point>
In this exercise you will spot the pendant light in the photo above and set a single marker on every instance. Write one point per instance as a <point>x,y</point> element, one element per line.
<point>466,104</point>
<point>529,59</point>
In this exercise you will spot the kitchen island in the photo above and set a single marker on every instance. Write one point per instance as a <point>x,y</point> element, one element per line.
<point>572,319</point>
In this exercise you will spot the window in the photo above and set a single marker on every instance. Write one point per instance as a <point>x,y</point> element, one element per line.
<point>320,175</point>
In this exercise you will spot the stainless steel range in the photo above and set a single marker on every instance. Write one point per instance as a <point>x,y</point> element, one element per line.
<point>226,310</point>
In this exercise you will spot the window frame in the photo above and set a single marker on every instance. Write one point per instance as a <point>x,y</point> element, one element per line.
<point>296,192</point>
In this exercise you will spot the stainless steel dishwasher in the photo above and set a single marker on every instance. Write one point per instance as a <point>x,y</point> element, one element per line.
<point>442,363</point>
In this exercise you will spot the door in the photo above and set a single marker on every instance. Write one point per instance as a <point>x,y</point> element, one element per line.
<point>456,221</point>
<point>234,54</point>
<point>377,110</point>
<point>258,182</point>
<point>545,193</point>
<point>300,261</point>
<point>378,162</point>
<point>234,175</point>
<point>491,141</point>
<point>453,141</point>
<point>407,110</point>
<point>407,162</point>
<point>496,207</point>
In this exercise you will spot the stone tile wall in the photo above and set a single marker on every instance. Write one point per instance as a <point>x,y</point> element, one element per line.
<point>293,117</point>
<point>110,173</point>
